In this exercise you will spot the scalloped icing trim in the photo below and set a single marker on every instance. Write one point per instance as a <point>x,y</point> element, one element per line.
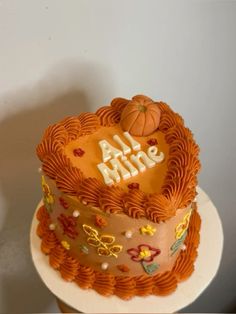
<point>125,287</point>
<point>180,182</point>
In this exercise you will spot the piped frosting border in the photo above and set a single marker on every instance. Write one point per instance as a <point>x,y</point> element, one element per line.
<point>124,286</point>
<point>178,190</point>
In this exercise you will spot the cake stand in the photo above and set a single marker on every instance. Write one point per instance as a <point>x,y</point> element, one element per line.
<point>71,298</point>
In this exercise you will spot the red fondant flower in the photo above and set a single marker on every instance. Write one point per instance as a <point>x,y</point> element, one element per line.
<point>144,252</point>
<point>133,186</point>
<point>152,141</point>
<point>68,223</point>
<point>63,203</point>
<point>78,152</point>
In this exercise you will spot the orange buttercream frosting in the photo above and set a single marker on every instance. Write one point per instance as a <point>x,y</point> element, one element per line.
<point>183,156</point>
<point>134,203</point>
<point>123,286</point>
<point>72,126</point>
<point>49,241</point>
<point>69,179</point>
<point>126,238</point>
<point>89,123</point>
<point>108,116</point>
<point>69,269</point>
<point>86,277</point>
<point>111,200</point>
<point>57,256</point>
<point>90,190</point>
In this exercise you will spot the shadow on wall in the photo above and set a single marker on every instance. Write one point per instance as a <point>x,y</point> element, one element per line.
<point>68,90</point>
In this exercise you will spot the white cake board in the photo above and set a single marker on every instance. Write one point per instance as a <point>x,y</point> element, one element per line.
<point>89,301</point>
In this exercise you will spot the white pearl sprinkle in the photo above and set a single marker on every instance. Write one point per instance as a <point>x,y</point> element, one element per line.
<point>76,213</point>
<point>128,234</point>
<point>183,247</point>
<point>104,266</point>
<point>39,170</point>
<point>84,202</point>
<point>52,227</point>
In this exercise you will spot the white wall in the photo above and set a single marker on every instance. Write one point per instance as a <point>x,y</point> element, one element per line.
<point>59,58</point>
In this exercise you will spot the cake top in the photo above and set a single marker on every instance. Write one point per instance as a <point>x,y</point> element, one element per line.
<point>134,157</point>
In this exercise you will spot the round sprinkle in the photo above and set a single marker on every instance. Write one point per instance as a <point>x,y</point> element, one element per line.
<point>76,213</point>
<point>52,227</point>
<point>128,234</point>
<point>104,266</point>
<point>183,247</point>
<point>84,202</point>
<point>39,170</point>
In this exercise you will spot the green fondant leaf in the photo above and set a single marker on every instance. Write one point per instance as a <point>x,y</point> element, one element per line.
<point>150,268</point>
<point>84,249</point>
<point>178,243</point>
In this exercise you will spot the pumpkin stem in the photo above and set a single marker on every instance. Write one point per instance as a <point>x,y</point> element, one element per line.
<point>142,108</point>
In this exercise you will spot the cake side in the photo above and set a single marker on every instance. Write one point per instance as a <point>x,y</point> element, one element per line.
<point>123,286</point>
<point>106,241</point>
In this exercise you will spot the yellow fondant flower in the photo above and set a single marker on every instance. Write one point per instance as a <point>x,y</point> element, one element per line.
<point>144,253</point>
<point>148,230</point>
<point>65,244</point>
<point>182,226</point>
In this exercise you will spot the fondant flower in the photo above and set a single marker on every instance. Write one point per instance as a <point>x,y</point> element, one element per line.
<point>100,221</point>
<point>133,186</point>
<point>148,230</point>
<point>69,224</point>
<point>182,226</point>
<point>144,252</point>
<point>65,244</point>
<point>152,141</point>
<point>63,203</point>
<point>78,152</point>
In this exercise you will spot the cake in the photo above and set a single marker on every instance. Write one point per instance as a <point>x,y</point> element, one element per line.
<point>119,211</point>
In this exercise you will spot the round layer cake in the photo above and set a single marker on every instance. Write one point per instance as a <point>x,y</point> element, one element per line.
<point>119,192</point>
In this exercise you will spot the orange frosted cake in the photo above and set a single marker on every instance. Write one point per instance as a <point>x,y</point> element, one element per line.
<point>119,188</point>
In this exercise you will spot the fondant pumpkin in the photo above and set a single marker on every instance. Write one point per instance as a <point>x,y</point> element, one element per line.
<point>141,116</point>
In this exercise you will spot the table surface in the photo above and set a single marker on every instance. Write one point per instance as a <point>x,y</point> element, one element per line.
<point>88,301</point>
